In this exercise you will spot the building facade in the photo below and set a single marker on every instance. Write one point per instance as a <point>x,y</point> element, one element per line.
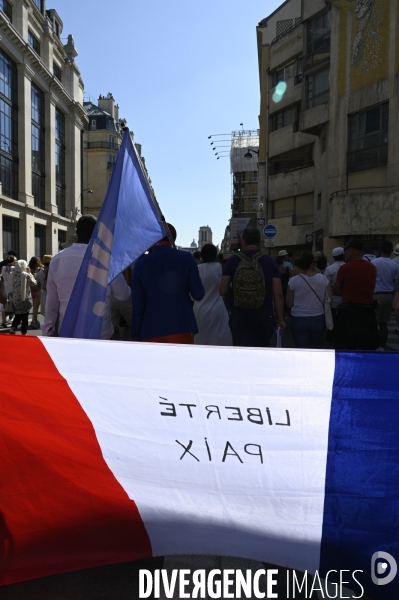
<point>41,125</point>
<point>102,140</point>
<point>329,122</point>
<point>204,237</point>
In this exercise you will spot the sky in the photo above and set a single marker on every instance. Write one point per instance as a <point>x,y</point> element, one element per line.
<point>180,70</point>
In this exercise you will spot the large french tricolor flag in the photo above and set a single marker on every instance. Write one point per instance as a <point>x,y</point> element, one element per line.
<point>118,451</point>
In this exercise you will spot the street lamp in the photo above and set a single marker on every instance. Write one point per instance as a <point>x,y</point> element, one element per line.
<point>249,155</point>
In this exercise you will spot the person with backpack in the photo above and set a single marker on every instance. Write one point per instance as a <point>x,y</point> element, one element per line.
<point>255,279</point>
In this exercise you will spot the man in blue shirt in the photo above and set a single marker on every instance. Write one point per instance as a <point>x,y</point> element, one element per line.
<point>162,283</point>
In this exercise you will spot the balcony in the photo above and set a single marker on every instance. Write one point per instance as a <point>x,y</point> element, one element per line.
<point>101,145</point>
<point>364,213</point>
<point>287,45</point>
<point>312,120</point>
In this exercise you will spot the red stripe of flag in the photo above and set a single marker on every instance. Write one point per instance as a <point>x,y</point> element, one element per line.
<point>61,508</point>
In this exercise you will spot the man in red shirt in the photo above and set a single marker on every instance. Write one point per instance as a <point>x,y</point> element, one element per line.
<point>356,325</point>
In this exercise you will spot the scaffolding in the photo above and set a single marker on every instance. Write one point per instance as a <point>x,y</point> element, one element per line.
<point>244,171</point>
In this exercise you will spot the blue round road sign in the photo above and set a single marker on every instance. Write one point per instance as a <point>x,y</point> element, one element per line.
<point>270,231</point>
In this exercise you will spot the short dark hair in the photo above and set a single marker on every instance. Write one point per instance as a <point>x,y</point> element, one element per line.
<point>386,247</point>
<point>208,253</point>
<point>340,257</point>
<point>307,260</point>
<point>322,262</point>
<point>220,256</point>
<point>12,253</point>
<point>251,236</point>
<point>85,227</point>
<point>197,254</point>
<point>354,243</point>
<point>35,263</point>
<point>298,262</point>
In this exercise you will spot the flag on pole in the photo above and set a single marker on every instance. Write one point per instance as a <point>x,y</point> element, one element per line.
<point>128,225</point>
<point>114,452</point>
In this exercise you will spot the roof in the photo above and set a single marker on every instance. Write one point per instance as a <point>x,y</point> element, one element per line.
<point>92,110</point>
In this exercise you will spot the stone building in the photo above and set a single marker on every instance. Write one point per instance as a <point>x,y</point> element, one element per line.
<point>102,140</point>
<point>329,128</point>
<point>41,124</point>
<point>204,236</point>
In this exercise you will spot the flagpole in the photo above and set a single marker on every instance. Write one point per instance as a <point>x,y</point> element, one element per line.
<point>155,201</point>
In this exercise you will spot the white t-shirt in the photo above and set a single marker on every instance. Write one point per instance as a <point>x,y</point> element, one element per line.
<point>306,303</point>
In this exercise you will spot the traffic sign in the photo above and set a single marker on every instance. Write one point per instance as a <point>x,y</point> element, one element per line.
<point>261,221</point>
<point>270,231</point>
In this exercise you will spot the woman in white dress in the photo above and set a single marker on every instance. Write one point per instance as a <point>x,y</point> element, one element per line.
<point>210,312</point>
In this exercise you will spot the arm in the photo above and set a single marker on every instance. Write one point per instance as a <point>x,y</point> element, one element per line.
<point>395,305</point>
<point>224,285</point>
<point>278,301</point>
<point>52,306</point>
<point>119,288</point>
<point>289,298</point>
<point>337,290</point>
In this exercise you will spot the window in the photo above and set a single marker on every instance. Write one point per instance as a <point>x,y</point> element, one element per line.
<point>111,161</point>
<point>319,33</point>
<point>255,175</point>
<point>318,201</point>
<point>284,74</point>
<point>10,235</point>
<point>34,42</point>
<point>40,239</point>
<point>56,71</point>
<point>8,127</point>
<point>368,138</point>
<point>38,165</point>
<point>318,88</point>
<point>56,28</point>
<point>39,4</point>
<point>60,161</point>
<point>111,124</point>
<point>94,123</point>
<point>284,117</point>
<point>6,8</point>
<point>61,239</point>
<point>111,140</point>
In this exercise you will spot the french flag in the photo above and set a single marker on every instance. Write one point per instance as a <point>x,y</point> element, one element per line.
<point>113,452</point>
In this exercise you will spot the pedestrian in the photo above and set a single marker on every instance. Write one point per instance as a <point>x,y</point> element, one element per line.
<point>322,263</point>
<point>197,256</point>
<point>395,258</point>
<point>19,284</point>
<point>162,283</point>
<point>387,275</point>
<point>36,267</point>
<point>331,275</point>
<point>284,276</point>
<point>255,279</point>
<point>356,323</point>
<point>7,267</point>
<point>287,262</point>
<point>368,253</point>
<point>210,312</point>
<point>42,278</point>
<point>63,271</point>
<point>305,298</point>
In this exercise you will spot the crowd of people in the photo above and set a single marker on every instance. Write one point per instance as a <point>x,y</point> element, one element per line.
<point>173,296</point>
